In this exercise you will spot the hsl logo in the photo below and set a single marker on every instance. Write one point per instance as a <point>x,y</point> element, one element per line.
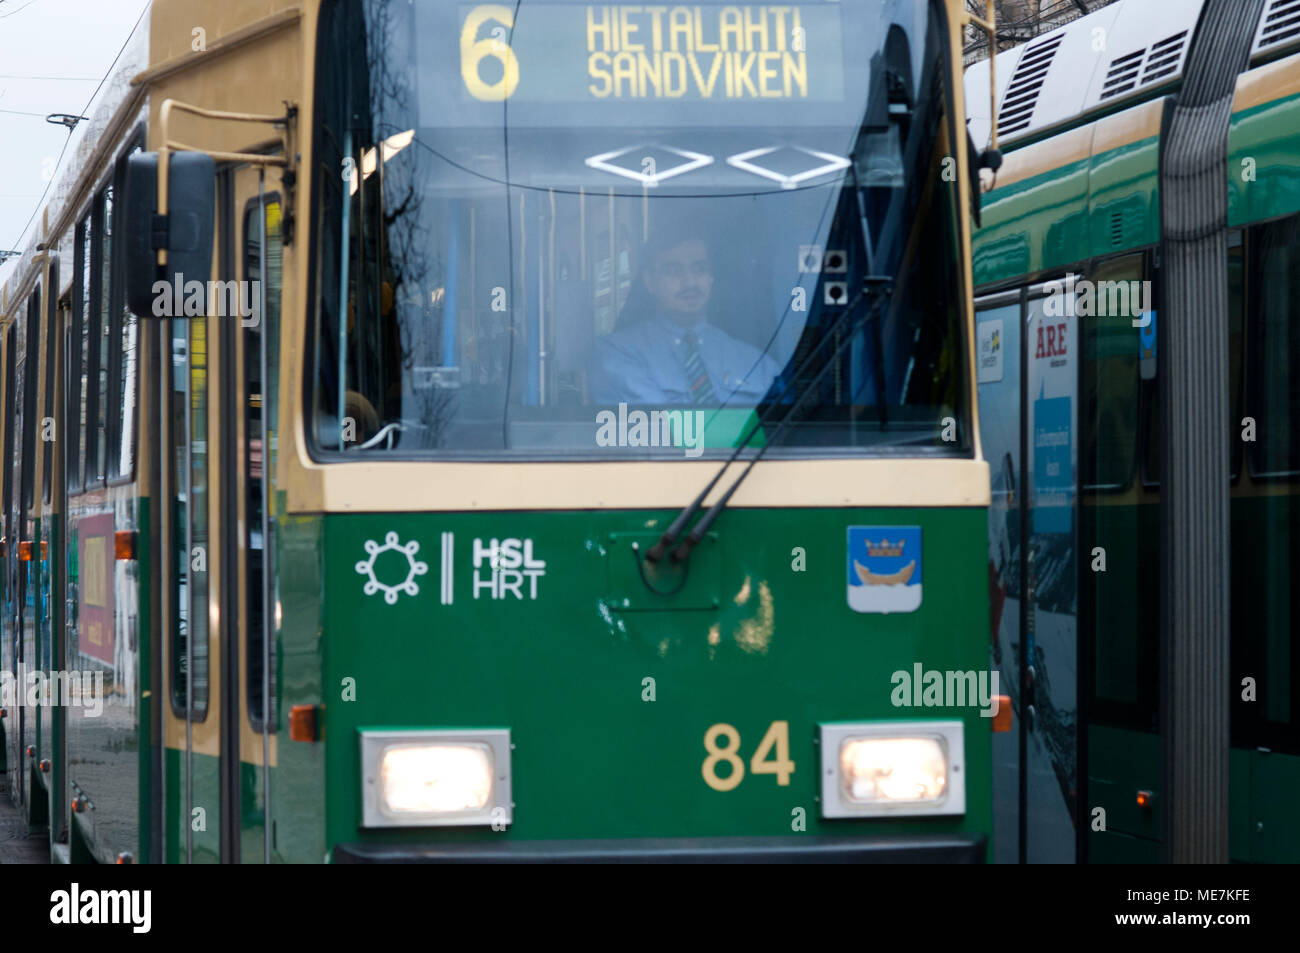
<point>884,568</point>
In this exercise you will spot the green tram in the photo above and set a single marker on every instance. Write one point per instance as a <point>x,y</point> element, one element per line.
<point>1069,278</point>
<point>357,389</point>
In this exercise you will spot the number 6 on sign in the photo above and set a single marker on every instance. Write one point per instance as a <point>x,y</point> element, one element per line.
<point>777,736</point>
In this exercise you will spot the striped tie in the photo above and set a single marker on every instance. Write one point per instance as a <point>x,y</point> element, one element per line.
<point>701,388</point>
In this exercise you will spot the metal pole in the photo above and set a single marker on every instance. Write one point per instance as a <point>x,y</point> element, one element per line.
<point>266,533</point>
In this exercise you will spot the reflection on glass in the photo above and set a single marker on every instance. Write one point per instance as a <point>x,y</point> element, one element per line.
<point>500,278</point>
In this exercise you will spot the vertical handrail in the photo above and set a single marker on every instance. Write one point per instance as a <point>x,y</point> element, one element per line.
<point>266,533</point>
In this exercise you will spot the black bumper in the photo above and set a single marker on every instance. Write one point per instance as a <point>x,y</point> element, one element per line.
<point>935,849</point>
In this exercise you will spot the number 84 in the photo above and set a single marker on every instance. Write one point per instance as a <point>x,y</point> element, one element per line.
<point>775,743</point>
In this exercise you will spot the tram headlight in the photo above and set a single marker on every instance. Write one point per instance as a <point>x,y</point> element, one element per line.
<point>891,768</point>
<point>425,778</point>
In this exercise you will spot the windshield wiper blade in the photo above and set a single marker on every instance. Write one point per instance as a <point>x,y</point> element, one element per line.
<point>876,289</point>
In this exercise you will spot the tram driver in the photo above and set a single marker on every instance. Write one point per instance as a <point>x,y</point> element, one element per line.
<point>664,349</point>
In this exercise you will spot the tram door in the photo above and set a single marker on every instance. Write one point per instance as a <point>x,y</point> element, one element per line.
<point>220,726</point>
<point>251,402</point>
<point>9,643</point>
<point>191,719</point>
<point>20,529</point>
<point>1027,374</point>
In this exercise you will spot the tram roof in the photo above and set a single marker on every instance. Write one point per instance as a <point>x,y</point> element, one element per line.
<point>94,144</point>
<point>1128,51</point>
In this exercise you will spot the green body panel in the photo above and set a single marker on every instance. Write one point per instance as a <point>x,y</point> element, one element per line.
<point>1274,824</point>
<point>205,826</point>
<point>1124,199</point>
<point>1070,214</point>
<point>566,672</point>
<point>1032,225</point>
<point>1121,763</point>
<point>148,690</point>
<point>298,778</point>
<point>1262,823</point>
<point>1120,597</point>
<point>1264,162</point>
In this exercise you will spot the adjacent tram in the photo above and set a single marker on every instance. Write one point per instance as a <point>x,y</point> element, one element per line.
<point>502,431</point>
<point>1072,272</point>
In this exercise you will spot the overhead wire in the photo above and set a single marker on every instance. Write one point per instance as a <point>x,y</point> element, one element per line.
<point>71,129</point>
<point>5,16</point>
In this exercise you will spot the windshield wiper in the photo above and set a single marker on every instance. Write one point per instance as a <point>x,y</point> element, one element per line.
<point>876,290</point>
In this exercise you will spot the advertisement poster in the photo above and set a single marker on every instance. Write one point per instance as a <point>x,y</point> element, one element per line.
<point>95,564</point>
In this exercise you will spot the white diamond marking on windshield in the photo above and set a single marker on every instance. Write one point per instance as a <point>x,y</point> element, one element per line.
<point>833,163</point>
<point>696,160</point>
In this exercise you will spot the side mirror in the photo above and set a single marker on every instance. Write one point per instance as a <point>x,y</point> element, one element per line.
<point>185,231</point>
<point>991,159</point>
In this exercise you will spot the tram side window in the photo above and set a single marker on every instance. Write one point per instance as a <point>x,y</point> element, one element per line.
<point>75,391</point>
<point>1275,351</point>
<point>11,367</point>
<point>1122,622</point>
<point>189,476</point>
<point>1110,373</point>
<point>31,424</point>
<point>47,406</point>
<point>259,432</point>
<point>1265,600</point>
<point>127,338</point>
<point>93,314</point>
<point>123,363</point>
<point>104,336</point>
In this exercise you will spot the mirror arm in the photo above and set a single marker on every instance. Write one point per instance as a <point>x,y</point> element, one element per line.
<point>169,145</point>
<point>989,25</point>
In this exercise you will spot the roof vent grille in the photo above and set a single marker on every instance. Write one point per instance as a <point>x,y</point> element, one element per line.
<point>1164,57</point>
<point>1026,83</point>
<point>1281,23</point>
<point>1122,76</point>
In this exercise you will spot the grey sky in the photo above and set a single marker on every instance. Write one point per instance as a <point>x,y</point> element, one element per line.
<point>53,53</point>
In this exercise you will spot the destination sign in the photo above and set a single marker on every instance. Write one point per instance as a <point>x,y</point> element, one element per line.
<point>594,53</point>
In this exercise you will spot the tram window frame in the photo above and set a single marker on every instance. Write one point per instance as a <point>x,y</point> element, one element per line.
<point>269,411</point>
<point>90,351</point>
<point>1097,270</point>
<point>1258,380</point>
<point>1239,305</point>
<point>10,364</point>
<point>121,319</point>
<point>30,393</point>
<point>102,343</point>
<point>50,368</point>
<point>181,476</point>
<point>74,362</point>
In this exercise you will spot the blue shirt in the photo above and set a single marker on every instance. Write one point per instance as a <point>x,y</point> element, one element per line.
<point>646,364</point>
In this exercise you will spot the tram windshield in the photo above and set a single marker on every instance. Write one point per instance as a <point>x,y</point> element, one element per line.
<point>557,230</point>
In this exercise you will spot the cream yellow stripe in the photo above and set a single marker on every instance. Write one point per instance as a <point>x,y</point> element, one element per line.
<point>1267,83</point>
<point>413,487</point>
<point>1113,132</point>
